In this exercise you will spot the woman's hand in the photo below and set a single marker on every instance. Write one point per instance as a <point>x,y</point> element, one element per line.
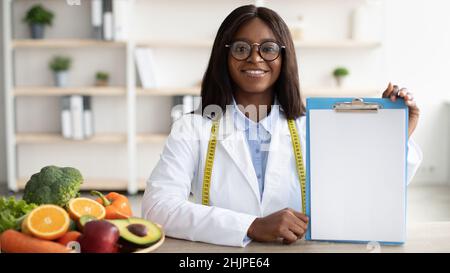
<point>392,92</point>
<point>287,224</point>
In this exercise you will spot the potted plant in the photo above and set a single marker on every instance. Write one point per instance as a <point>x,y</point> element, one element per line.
<point>60,66</point>
<point>101,78</point>
<point>339,74</point>
<point>37,17</point>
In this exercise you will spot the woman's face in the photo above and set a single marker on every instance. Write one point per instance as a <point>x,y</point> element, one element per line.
<point>254,74</point>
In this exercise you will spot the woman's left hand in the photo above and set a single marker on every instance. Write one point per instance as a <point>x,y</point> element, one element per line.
<point>392,92</point>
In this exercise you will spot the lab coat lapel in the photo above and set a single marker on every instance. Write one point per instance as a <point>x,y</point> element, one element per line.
<point>234,143</point>
<point>277,161</point>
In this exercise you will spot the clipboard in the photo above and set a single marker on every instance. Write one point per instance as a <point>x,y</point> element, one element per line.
<point>356,173</point>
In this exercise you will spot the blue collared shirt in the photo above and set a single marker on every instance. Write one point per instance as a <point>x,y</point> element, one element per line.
<point>258,136</point>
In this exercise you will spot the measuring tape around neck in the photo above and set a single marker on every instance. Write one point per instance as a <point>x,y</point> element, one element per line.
<point>212,150</point>
<point>298,161</point>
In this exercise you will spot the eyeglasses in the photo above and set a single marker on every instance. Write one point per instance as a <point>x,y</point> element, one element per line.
<point>241,50</point>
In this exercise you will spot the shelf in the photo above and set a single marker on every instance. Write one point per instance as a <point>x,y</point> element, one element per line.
<point>102,184</point>
<point>36,91</point>
<point>151,138</point>
<point>338,44</point>
<point>77,43</point>
<point>340,92</point>
<point>308,92</point>
<point>65,43</point>
<point>176,91</point>
<point>342,44</point>
<point>172,43</point>
<point>44,138</point>
<point>58,91</point>
<point>167,91</point>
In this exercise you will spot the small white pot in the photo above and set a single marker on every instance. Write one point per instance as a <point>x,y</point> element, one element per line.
<point>340,81</point>
<point>61,78</point>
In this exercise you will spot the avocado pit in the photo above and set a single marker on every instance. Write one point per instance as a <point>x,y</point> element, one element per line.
<point>138,229</point>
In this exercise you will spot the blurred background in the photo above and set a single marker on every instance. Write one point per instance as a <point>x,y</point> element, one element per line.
<point>92,84</point>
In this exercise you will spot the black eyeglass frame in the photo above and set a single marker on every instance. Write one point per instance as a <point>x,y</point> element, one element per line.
<point>259,48</point>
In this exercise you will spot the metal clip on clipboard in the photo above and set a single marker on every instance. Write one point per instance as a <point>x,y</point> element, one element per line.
<point>357,105</point>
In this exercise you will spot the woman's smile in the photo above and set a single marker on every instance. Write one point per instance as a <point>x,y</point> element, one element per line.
<point>255,73</point>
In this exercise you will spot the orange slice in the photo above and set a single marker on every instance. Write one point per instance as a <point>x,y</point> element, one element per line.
<point>47,222</point>
<point>85,206</point>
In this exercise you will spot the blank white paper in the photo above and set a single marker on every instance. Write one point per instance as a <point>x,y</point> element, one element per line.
<point>358,175</point>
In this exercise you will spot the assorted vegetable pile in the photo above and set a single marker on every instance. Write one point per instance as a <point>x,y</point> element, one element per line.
<point>52,218</point>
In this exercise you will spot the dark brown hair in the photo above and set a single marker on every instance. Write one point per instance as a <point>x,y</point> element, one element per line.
<point>217,86</point>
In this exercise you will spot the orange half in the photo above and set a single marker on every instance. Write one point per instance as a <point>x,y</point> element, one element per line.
<point>85,206</point>
<point>47,222</point>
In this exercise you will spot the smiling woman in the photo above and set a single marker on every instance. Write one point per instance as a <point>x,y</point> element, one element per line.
<point>244,164</point>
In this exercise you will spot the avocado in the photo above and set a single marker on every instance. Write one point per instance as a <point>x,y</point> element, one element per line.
<point>84,220</point>
<point>72,225</point>
<point>137,232</point>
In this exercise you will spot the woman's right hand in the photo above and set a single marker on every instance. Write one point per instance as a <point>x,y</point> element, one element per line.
<point>287,224</point>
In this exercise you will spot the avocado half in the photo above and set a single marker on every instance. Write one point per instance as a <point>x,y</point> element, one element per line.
<point>137,232</point>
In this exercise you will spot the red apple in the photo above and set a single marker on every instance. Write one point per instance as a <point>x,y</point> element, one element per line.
<point>99,237</point>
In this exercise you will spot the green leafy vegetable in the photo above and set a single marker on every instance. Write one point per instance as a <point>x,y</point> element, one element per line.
<point>12,212</point>
<point>53,185</point>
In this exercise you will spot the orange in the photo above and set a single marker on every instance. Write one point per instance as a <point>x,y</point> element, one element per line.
<point>85,206</point>
<point>47,222</point>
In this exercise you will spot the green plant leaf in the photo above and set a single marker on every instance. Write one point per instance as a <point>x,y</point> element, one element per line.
<point>37,14</point>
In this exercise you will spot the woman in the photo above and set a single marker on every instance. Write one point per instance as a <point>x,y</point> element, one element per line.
<point>249,91</point>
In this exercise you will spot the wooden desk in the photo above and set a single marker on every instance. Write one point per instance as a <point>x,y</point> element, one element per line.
<point>421,237</point>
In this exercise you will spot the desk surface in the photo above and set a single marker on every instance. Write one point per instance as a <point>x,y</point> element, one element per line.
<point>421,237</point>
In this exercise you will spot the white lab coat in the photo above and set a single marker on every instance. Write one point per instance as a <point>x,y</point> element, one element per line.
<point>234,193</point>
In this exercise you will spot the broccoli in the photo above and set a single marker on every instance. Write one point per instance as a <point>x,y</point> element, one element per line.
<point>53,185</point>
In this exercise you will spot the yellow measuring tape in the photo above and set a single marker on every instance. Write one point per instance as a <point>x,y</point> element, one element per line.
<point>299,161</point>
<point>212,149</point>
<point>209,161</point>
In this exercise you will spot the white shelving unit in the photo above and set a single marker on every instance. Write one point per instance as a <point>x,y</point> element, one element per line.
<point>64,43</point>
<point>35,91</point>
<point>129,92</point>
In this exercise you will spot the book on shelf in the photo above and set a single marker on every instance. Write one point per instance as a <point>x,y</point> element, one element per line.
<point>88,125</point>
<point>188,104</point>
<point>146,67</point>
<point>108,20</point>
<point>197,103</point>
<point>97,19</point>
<point>66,117</point>
<point>76,109</point>
<point>76,117</point>
<point>177,108</point>
<point>121,24</point>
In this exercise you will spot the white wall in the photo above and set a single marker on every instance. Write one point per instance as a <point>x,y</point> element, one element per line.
<point>418,48</point>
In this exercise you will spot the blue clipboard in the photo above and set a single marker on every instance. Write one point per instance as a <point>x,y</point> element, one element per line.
<point>350,104</point>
